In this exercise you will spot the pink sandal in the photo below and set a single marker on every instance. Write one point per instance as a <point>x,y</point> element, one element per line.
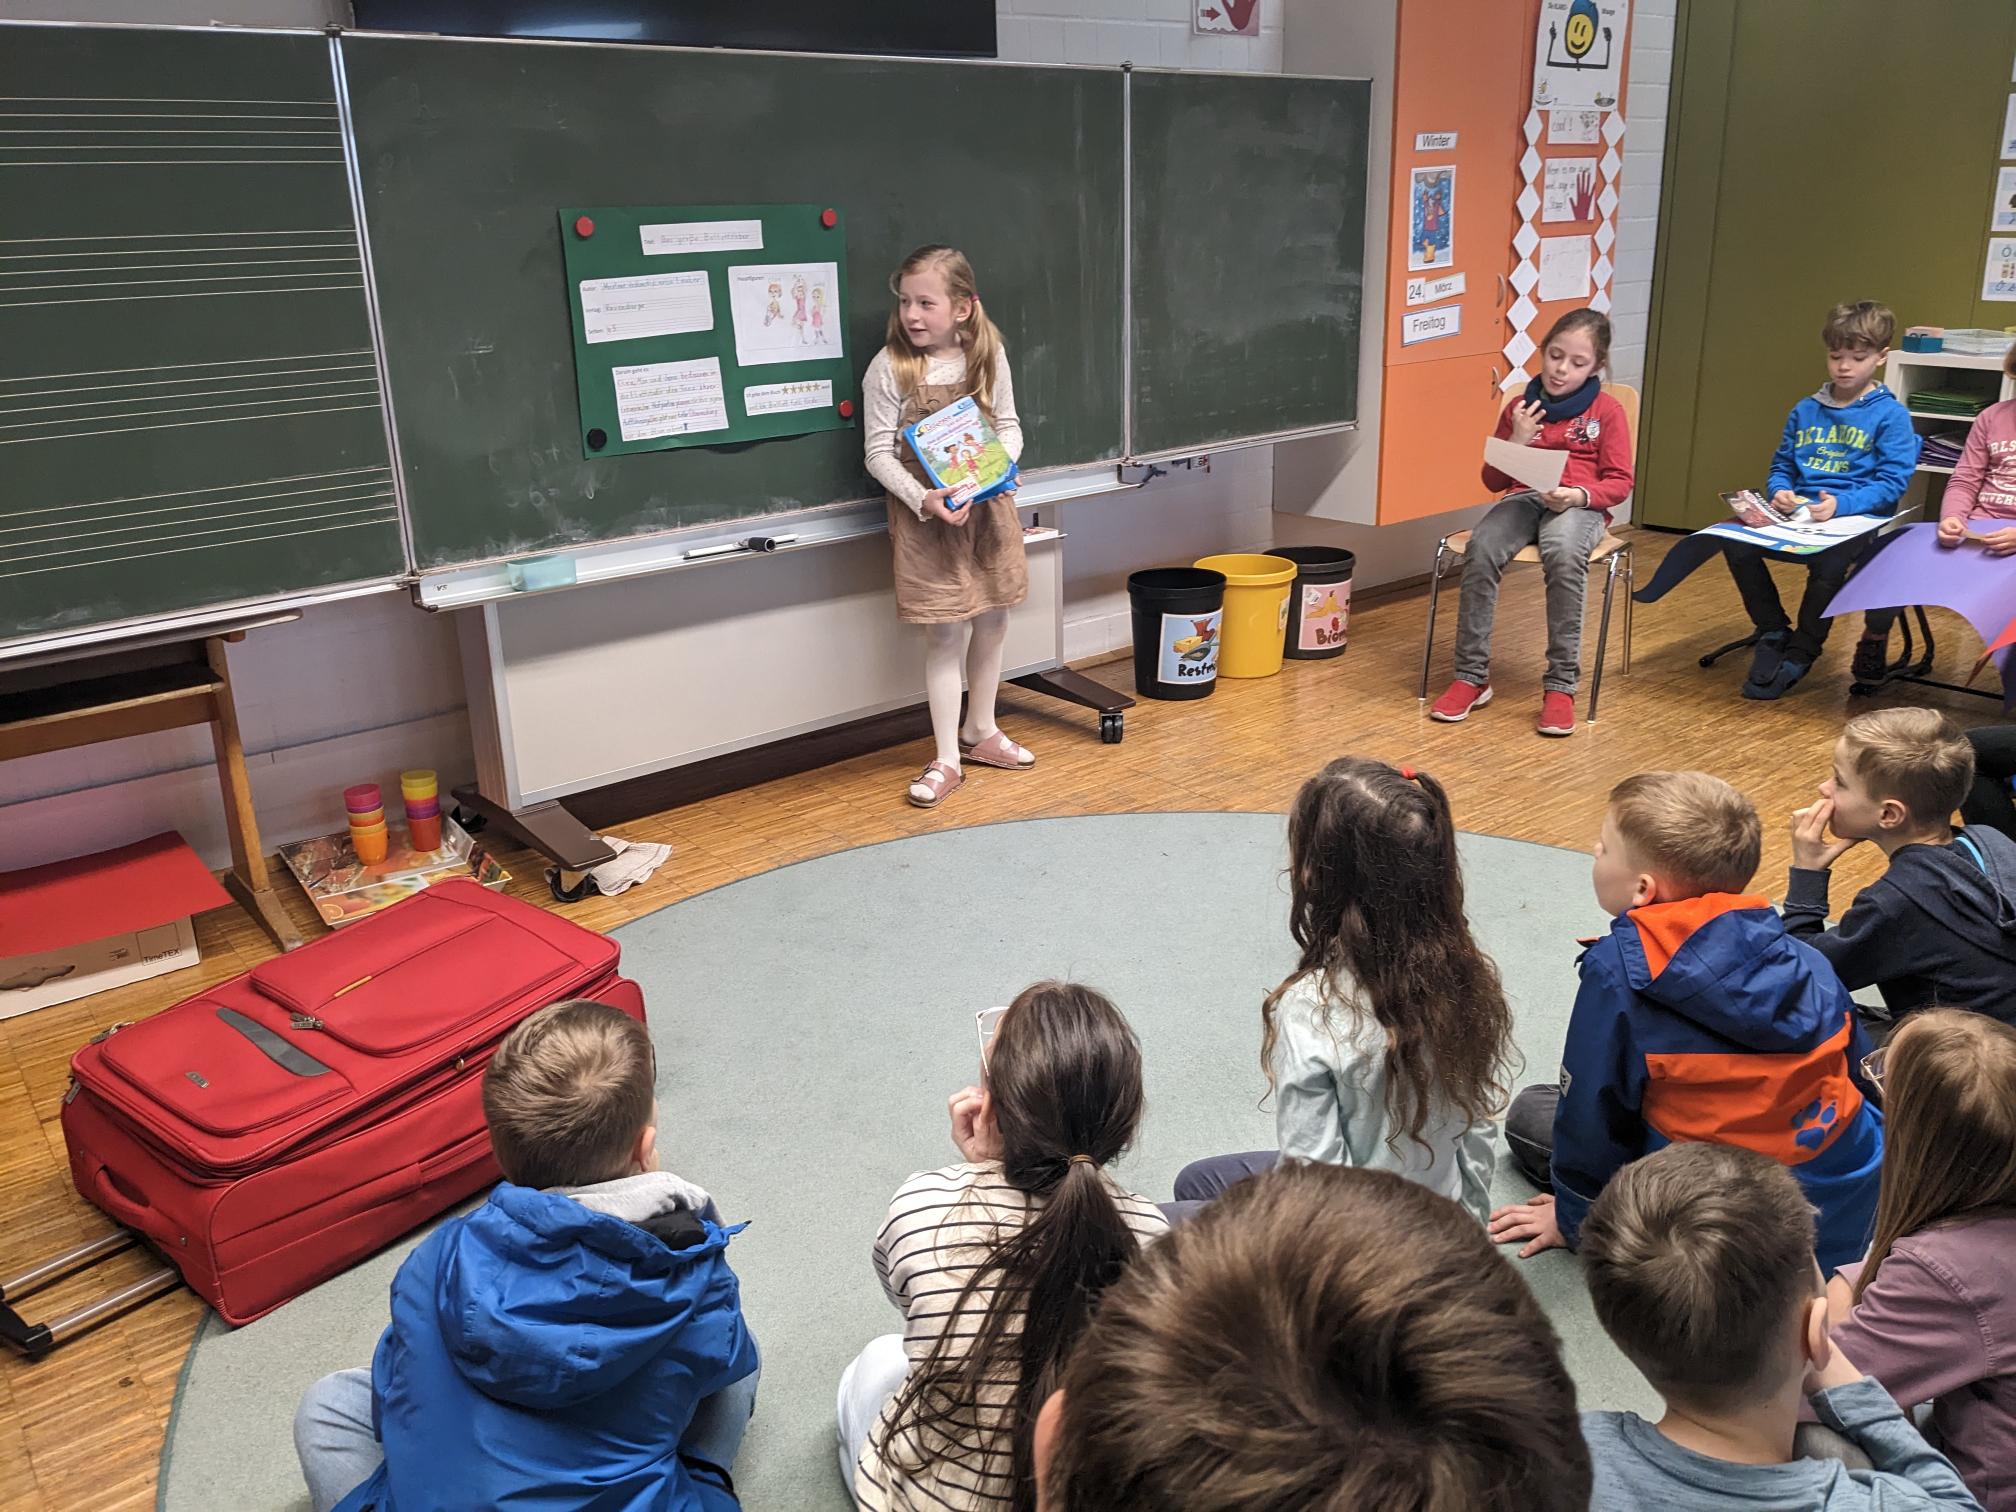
<point>938,780</point>
<point>997,750</point>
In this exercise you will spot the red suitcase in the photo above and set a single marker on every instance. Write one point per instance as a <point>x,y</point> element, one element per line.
<point>271,1131</point>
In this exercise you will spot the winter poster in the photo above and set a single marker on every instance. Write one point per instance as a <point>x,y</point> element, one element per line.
<point>785,312</point>
<point>1431,219</point>
<point>1225,18</point>
<point>1578,53</point>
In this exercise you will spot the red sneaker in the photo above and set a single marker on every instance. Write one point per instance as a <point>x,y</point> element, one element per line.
<point>1557,714</point>
<point>1454,706</point>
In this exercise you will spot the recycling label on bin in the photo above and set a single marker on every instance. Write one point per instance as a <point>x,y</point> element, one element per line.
<point>1189,652</point>
<point>1326,611</point>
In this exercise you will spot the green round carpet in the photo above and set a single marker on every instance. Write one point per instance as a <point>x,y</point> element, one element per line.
<point>810,1023</point>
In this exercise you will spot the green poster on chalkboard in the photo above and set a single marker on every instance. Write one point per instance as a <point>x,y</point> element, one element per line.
<point>705,325</point>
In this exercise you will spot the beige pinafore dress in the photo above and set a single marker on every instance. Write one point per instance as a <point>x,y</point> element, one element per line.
<point>946,573</point>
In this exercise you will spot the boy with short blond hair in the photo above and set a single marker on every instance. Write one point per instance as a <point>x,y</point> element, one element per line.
<point>1699,1019</point>
<point>1699,1260</point>
<point>1939,927</point>
<point>1849,448</point>
<point>581,1328</point>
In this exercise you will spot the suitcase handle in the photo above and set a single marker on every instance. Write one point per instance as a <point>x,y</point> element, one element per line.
<point>106,1193</point>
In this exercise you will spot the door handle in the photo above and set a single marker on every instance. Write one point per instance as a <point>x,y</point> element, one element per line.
<point>1501,291</point>
<point>1494,380</point>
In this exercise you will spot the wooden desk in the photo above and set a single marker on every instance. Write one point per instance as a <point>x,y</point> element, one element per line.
<point>161,682</point>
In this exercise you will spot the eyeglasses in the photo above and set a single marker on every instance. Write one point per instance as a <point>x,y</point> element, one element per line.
<point>986,1021</point>
<point>1872,1066</point>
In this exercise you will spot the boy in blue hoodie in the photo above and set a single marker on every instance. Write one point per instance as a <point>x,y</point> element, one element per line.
<point>1699,1020</point>
<point>1848,449</point>
<point>576,1341</point>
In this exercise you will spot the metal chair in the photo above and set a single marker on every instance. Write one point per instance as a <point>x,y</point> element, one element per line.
<point>1614,552</point>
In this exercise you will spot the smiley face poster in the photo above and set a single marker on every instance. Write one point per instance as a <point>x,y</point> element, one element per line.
<point>1578,53</point>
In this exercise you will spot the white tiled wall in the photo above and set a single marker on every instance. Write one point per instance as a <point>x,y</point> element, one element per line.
<point>1638,213</point>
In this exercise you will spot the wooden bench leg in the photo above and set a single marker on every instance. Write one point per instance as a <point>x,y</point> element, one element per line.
<point>248,880</point>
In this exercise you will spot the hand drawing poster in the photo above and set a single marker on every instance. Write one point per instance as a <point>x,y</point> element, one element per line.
<point>1578,53</point>
<point>1431,219</point>
<point>1570,190</point>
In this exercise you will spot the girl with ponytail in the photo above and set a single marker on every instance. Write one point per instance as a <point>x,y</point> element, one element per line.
<point>1389,1044</point>
<point>997,1263</point>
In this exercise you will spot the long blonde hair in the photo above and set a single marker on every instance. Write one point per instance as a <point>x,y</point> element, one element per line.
<point>1949,1104</point>
<point>979,337</point>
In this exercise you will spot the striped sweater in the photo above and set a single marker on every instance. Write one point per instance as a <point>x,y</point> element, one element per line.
<point>941,1226</point>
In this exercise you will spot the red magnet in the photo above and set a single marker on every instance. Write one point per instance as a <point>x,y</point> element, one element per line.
<point>829,218</point>
<point>846,409</point>
<point>584,225</point>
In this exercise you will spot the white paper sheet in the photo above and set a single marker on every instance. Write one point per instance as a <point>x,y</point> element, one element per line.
<point>2005,201</point>
<point>654,304</point>
<point>2009,129</point>
<point>777,398</point>
<point>1574,128</point>
<point>1422,291</point>
<point>1564,268</point>
<point>669,238</point>
<point>1430,325</point>
<point>1538,467</point>
<point>670,399</point>
<point>1998,279</point>
<point>785,312</point>
<point>1579,48</point>
<point>1569,193</point>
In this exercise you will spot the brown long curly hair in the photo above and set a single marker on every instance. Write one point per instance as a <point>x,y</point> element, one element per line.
<point>1377,907</point>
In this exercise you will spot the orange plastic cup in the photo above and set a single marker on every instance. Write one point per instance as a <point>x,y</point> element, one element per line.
<point>370,844</point>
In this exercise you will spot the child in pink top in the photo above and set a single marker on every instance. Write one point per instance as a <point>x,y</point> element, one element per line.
<point>1983,485</point>
<point>1931,1311</point>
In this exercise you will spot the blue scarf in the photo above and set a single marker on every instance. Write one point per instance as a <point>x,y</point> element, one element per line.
<point>1569,405</point>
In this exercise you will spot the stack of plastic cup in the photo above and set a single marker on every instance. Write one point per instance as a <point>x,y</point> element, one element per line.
<point>366,806</point>
<point>422,796</point>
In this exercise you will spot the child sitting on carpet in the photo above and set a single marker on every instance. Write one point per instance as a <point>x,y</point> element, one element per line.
<point>997,1263</point>
<point>1318,1338</point>
<point>1698,1018</point>
<point>1389,1043</point>
<point>1931,1314</point>
<point>1940,925</point>
<point>581,1328</point>
<point>1700,1265</point>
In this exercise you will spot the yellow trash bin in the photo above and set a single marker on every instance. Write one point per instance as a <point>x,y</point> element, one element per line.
<point>1256,611</point>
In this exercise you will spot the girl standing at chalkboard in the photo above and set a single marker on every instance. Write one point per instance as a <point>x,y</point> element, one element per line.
<point>958,571</point>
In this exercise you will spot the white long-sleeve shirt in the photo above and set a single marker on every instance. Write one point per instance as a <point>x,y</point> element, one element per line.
<point>882,420</point>
<point>1330,1103</point>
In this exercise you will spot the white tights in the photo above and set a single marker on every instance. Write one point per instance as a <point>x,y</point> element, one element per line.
<point>948,651</point>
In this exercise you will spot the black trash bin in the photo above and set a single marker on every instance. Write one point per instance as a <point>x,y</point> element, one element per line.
<point>1319,601</point>
<point>1178,612</point>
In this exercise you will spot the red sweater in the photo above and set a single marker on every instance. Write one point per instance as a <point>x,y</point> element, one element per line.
<point>1598,443</point>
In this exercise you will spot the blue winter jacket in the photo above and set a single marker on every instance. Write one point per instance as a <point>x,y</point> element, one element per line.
<point>1862,453</point>
<point>1702,1019</point>
<point>545,1355</point>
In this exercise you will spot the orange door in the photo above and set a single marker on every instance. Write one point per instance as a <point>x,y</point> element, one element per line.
<point>1464,66</point>
<point>1451,407</point>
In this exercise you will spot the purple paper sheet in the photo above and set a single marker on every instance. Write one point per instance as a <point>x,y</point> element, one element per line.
<point>1913,568</point>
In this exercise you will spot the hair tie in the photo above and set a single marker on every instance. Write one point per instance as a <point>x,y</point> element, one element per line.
<point>1407,772</point>
<point>1086,1159</point>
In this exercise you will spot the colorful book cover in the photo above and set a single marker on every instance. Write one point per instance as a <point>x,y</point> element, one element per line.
<point>960,452</point>
<point>344,889</point>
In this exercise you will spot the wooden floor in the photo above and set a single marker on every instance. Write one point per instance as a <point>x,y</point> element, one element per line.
<point>83,1428</point>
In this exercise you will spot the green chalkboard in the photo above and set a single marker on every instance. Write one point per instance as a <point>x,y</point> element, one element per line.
<point>189,401</point>
<point>701,324</point>
<point>469,149</point>
<point>1248,255</point>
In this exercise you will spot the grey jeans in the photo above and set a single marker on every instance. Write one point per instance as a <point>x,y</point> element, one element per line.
<point>1565,541</point>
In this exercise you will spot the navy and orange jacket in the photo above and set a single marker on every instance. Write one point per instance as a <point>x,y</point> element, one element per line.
<point>1703,1020</point>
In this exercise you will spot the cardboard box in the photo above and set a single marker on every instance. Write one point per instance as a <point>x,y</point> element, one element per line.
<point>81,926</point>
